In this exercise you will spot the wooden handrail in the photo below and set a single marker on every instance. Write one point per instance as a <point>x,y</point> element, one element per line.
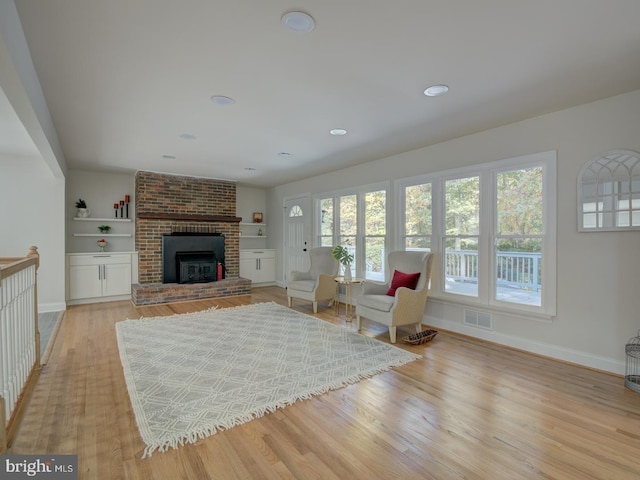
<point>11,265</point>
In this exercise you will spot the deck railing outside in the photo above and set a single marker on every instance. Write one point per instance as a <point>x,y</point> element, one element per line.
<point>19,336</point>
<point>520,270</point>
<point>513,269</point>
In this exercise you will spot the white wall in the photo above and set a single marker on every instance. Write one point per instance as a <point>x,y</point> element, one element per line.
<point>248,201</point>
<point>598,306</point>
<point>100,191</point>
<point>33,214</point>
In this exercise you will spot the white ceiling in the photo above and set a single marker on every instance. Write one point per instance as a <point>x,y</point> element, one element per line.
<point>124,78</point>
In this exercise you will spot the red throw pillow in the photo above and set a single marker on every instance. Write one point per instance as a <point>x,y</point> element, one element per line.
<point>409,280</point>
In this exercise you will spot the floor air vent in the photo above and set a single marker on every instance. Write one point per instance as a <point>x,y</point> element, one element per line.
<point>478,319</point>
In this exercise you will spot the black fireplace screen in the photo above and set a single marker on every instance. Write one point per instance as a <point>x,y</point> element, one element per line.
<point>193,249</point>
<point>196,267</point>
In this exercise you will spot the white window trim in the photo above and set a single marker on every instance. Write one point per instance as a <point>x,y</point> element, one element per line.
<point>486,237</point>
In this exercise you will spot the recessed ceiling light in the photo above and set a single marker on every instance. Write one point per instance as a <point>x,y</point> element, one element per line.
<point>222,100</point>
<point>250,169</point>
<point>187,136</point>
<point>284,154</point>
<point>298,22</point>
<point>435,90</point>
<point>338,131</point>
<point>169,157</point>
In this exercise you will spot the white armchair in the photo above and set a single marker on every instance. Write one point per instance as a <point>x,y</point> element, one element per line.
<point>318,283</point>
<point>406,306</point>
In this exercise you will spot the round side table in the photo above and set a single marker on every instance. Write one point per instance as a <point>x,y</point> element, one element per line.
<point>348,306</point>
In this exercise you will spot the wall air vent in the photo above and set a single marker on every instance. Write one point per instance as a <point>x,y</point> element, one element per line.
<point>476,318</point>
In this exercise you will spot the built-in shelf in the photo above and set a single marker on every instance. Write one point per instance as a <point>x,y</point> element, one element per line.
<point>91,219</point>
<point>251,230</point>
<point>102,235</point>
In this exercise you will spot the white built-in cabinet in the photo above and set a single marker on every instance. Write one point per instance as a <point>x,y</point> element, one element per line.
<point>258,265</point>
<point>95,277</point>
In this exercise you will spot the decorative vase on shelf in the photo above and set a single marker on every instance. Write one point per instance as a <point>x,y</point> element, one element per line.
<point>102,243</point>
<point>83,213</point>
<point>347,272</point>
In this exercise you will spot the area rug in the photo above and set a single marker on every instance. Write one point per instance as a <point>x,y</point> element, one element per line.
<point>190,376</point>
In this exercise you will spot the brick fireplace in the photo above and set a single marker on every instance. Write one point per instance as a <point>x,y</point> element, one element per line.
<point>167,204</point>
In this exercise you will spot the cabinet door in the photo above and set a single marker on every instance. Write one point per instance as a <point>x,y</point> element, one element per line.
<point>267,272</point>
<point>248,268</point>
<point>117,279</point>
<point>85,281</point>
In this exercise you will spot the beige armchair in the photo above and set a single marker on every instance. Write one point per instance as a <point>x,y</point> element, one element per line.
<point>318,283</point>
<point>406,307</point>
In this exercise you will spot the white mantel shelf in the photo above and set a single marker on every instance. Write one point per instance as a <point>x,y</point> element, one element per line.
<point>91,219</point>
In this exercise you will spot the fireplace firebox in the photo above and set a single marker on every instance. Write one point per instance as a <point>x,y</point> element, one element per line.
<point>192,257</point>
<point>196,267</point>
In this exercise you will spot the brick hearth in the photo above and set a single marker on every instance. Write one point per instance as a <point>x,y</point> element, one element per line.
<point>153,293</point>
<point>170,203</point>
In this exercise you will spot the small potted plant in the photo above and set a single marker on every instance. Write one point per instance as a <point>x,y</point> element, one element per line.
<point>343,255</point>
<point>83,211</point>
<point>104,228</point>
<point>102,243</point>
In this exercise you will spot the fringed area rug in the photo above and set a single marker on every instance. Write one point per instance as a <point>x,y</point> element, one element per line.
<point>191,375</point>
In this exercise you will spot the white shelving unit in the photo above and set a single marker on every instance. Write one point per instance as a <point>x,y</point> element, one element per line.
<point>85,229</point>
<point>92,219</point>
<point>250,230</point>
<point>101,234</point>
<point>102,220</point>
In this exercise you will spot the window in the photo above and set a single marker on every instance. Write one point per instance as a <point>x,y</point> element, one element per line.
<point>375,234</point>
<point>326,223</point>
<point>461,235</point>
<point>295,211</point>
<point>492,227</point>
<point>519,235</point>
<point>358,220</point>
<point>348,221</point>
<point>418,217</point>
<point>609,192</point>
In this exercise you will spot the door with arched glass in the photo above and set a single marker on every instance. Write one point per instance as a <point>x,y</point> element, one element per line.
<point>297,234</point>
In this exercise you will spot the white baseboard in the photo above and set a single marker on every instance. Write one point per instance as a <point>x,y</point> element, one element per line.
<point>85,301</point>
<point>545,349</point>
<point>51,307</point>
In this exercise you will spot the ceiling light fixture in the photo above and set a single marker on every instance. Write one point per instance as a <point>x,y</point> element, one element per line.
<point>187,136</point>
<point>338,131</point>
<point>250,169</point>
<point>284,154</point>
<point>222,100</point>
<point>169,157</point>
<point>298,22</point>
<point>436,90</point>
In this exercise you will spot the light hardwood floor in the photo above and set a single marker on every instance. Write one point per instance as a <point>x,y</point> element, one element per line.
<point>466,410</point>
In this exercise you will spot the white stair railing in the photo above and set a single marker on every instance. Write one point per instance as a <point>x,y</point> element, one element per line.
<point>19,336</point>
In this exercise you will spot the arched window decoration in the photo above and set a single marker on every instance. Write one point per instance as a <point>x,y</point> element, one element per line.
<point>295,211</point>
<point>609,192</point>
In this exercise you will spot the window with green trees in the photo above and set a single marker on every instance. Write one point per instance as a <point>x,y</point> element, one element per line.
<point>356,219</point>
<point>492,227</point>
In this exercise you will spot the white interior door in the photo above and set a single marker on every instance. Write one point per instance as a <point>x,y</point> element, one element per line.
<point>297,235</point>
